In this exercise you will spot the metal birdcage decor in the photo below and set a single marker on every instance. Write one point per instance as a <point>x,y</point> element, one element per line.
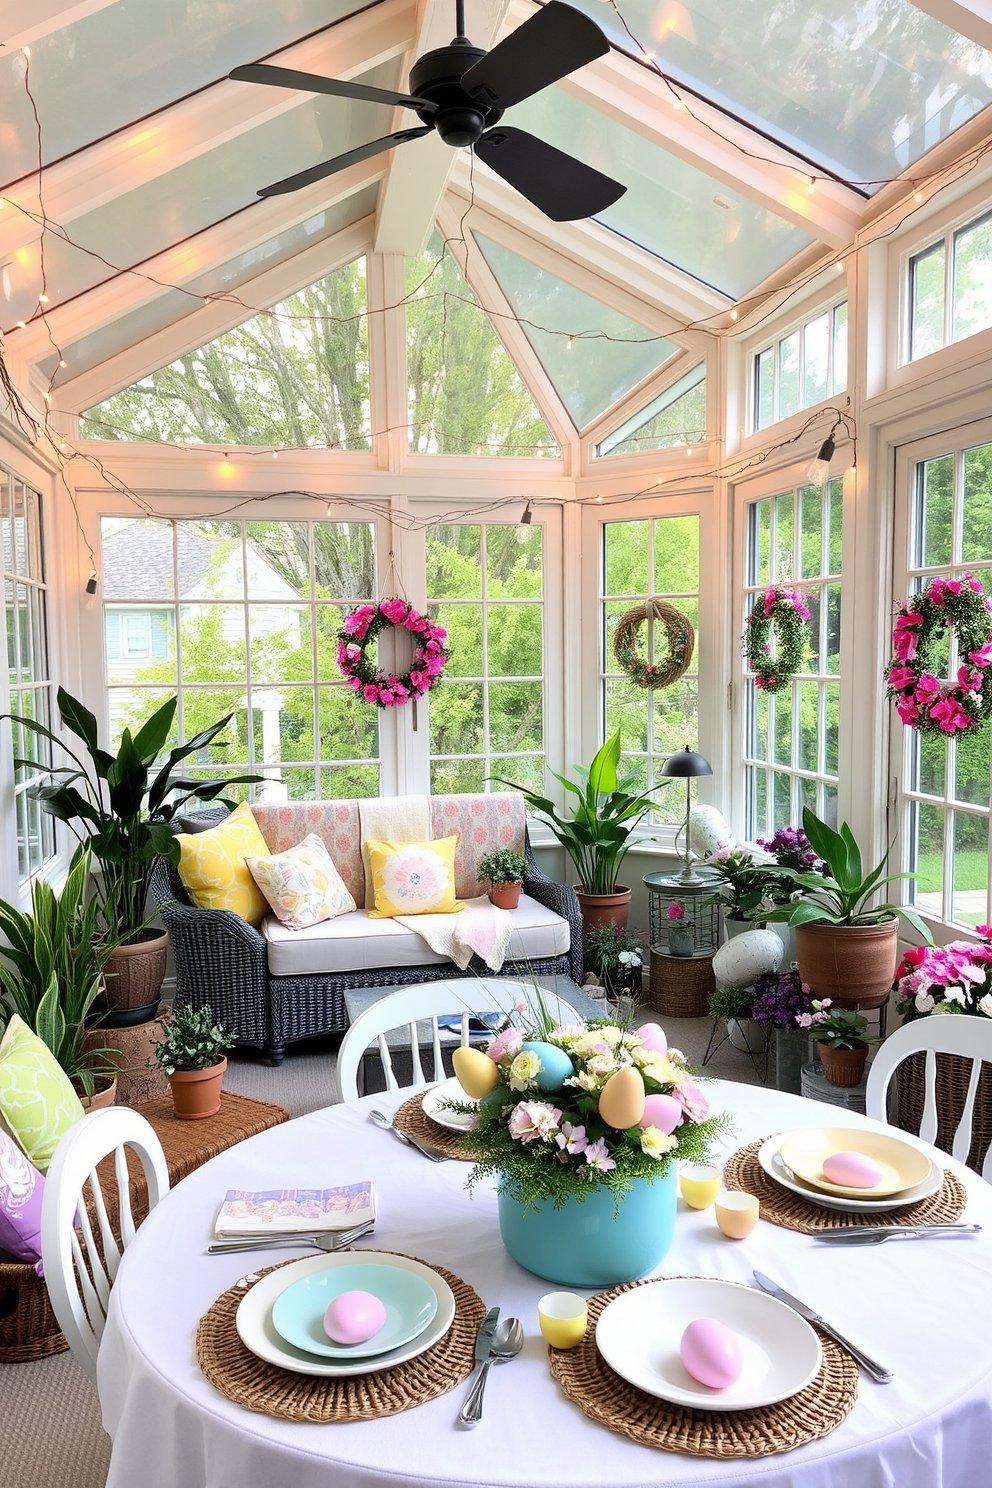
<point>699,919</point>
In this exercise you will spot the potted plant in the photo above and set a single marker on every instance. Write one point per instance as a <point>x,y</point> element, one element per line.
<point>504,871</point>
<point>842,1039</point>
<point>597,837</point>
<point>846,948</point>
<point>125,804</point>
<point>778,999</point>
<point>734,1004</point>
<point>747,889</point>
<point>681,935</point>
<point>51,970</point>
<point>616,957</point>
<point>191,1055</point>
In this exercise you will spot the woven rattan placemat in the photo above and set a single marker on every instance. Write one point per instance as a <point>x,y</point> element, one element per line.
<point>249,1381</point>
<point>596,1389</point>
<point>787,1209</point>
<point>411,1118</point>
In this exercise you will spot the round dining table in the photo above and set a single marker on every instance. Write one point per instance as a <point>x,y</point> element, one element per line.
<point>921,1307</point>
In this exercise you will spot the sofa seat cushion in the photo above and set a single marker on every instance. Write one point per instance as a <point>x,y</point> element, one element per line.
<point>354,942</point>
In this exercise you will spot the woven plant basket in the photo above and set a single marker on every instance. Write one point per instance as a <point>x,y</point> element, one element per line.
<point>681,987</point>
<point>953,1074</point>
<point>28,1329</point>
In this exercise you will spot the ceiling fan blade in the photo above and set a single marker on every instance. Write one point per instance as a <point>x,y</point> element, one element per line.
<point>548,46</point>
<point>309,82</point>
<point>560,185</point>
<point>340,162</point>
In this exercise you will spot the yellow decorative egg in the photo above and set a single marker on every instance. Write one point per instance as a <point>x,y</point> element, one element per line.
<point>621,1102</point>
<point>475,1072</point>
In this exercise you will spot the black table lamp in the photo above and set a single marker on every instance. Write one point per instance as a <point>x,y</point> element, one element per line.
<point>688,764</point>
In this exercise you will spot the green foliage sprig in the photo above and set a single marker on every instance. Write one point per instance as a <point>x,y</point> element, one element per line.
<point>503,866</point>
<point>191,1040</point>
<point>730,1002</point>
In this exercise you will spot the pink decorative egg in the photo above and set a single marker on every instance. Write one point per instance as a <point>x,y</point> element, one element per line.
<point>851,1170</point>
<point>711,1353</point>
<point>662,1111</point>
<point>354,1317</point>
<point>652,1036</point>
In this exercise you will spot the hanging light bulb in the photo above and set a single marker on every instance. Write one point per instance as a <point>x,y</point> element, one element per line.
<point>91,582</point>
<point>818,469</point>
<point>523,528</point>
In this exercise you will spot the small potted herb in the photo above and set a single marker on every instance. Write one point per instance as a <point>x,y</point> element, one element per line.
<point>681,936</point>
<point>504,871</point>
<point>842,1039</point>
<point>615,956</point>
<point>191,1055</point>
<point>735,1005</point>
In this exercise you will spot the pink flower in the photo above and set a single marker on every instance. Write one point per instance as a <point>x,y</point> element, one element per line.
<point>950,715</point>
<point>974,583</point>
<point>971,681</point>
<point>506,1045</point>
<point>598,1157</point>
<point>904,644</point>
<point>572,1138</point>
<point>804,612</point>
<point>531,1120</point>
<point>927,689</point>
<point>901,676</point>
<point>985,931</point>
<point>936,592</point>
<point>909,620</point>
<point>692,1100</point>
<point>771,599</point>
<point>356,625</point>
<point>907,709</point>
<point>438,633</point>
<point>386,696</point>
<point>675,911</point>
<point>982,658</point>
<point>370,692</point>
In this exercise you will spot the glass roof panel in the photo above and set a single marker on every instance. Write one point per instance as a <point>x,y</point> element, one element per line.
<point>862,87</point>
<point>175,305</point>
<point>592,354</point>
<point>676,416</point>
<point>181,202</point>
<point>675,211</point>
<point>131,58</point>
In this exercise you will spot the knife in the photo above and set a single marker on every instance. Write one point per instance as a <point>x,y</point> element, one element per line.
<point>484,1337</point>
<point>878,1372</point>
<point>467,1416</point>
<point>868,1234</point>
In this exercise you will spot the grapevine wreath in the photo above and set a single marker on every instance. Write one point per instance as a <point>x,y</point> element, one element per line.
<point>923,701</point>
<point>357,638</point>
<point>679,634</point>
<point>785,610</point>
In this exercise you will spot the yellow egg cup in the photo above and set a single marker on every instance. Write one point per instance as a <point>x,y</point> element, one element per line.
<point>736,1214</point>
<point>700,1184</point>
<point>563,1317</point>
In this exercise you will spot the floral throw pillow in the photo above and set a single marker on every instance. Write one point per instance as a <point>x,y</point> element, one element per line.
<point>302,884</point>
<point>412,878</point>
<point>37,1103</point>
<point>21,1188</point>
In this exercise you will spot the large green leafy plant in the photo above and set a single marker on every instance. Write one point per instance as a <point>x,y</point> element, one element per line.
<point>597,837</point>
<point>124,803</point>
<point>51,968</point>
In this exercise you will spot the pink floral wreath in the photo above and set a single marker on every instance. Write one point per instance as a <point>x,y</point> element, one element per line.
<point>923,700</point>
<point>786,610</point>
<point>358,635</point>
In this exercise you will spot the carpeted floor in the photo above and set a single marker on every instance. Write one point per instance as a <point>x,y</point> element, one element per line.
<point>50,1432</point>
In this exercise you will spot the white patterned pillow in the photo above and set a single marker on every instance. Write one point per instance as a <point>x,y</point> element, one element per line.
<point>302,884</point>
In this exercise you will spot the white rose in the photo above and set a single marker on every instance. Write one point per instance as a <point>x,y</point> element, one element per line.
<point>924,1002</point>
<point>985,1006</point>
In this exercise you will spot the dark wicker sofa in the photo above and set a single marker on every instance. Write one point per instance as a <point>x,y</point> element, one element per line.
<point>222,961</point>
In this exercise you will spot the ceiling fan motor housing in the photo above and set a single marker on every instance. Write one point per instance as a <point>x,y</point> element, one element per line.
<point>436,77</point>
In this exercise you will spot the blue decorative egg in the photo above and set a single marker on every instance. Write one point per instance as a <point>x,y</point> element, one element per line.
<point>556,1067</point>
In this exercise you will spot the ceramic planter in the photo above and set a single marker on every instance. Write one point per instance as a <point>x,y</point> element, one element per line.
<point>504,895</point>
<point>196,1093</point>
<point>853,965</point>
<point>604,909</point>
<point>747,1036</point>
<point>104,1095</point>
<point>681,939</point>
<point>843,1067</point>
<point>133,981</point>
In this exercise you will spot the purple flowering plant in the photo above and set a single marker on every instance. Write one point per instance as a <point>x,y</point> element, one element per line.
<point>790,847</point>
<point>780,999</point>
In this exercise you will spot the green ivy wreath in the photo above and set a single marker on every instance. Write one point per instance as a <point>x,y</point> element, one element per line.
<point>679,634</point>
<point>785,610</point>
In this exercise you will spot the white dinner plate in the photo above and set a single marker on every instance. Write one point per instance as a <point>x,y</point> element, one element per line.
<point>434,1107</point>
<point>769,1157</point>
<point>639,1334</point>
<point>256,1331</point>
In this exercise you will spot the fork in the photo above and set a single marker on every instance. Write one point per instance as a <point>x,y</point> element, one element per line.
<point>379,1118</point>
<point>336,1241</point>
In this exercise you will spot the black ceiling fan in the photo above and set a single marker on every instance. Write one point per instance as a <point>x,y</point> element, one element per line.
<point>461,91</point>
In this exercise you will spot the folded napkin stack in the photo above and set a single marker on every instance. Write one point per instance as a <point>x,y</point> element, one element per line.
<point>291,1211</point>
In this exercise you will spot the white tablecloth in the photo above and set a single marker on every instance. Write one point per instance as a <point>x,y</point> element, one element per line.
<point>924,1308</point>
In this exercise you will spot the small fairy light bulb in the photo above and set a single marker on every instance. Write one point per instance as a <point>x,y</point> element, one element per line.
<point>63,362</point>
<point>647,57</point>
<point>26,53</point>
<point>599,500</point>
<point>570,343</point>
<point>226,468</point>
<point>812,186</point>
<point>678,104</point>
<point>917,196</point>
<point>733,314</point>
<point>275,454</point>
<point>43,299</point>
<point>22,324</point>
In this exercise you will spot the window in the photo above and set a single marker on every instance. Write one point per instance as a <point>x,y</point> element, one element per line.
<point>242,618</point>
<point>950,288</point>
<point>791,736</point>
<point>653,557</point>
<point>486,587</point>
<point>801,368</point>
<point>677,416</point>
<point>945,783</point>
<point>29,686</point>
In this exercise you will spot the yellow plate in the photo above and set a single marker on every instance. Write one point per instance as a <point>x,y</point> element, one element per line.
<point>902,1165</point>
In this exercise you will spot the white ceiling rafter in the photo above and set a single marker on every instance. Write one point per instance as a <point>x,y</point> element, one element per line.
<point>23,22</point>
<point>211,321</point>
<point>176,266</point>
<point>973,20</point>
<point>491,298</point>
<point>179,133</point>
<point>409,201</point>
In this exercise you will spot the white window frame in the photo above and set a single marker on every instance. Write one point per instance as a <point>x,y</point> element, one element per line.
<point>658,404</point>
<point>801,324</point>
<point>949,238</point>
<point>126,648</point>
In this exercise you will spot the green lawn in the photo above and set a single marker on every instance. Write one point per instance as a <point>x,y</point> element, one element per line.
<point>970,872</point>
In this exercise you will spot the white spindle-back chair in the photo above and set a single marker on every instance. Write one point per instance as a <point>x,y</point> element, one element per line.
<point>77,1277</point>
<point>428,1002</point>
<point>969,1037</point>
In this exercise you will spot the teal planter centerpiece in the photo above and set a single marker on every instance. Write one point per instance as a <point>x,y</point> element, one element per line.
<point>582,1126</point>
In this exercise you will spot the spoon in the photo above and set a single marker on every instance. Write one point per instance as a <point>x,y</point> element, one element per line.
<point>507,1343</point>
<point>379,1118</point>
<point>336,1241</point>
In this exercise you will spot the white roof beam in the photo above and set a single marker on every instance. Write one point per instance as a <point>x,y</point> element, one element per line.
<point>973,20</point>
<point>409,201</point>
<point>23,22</point>
<point>146,150</point>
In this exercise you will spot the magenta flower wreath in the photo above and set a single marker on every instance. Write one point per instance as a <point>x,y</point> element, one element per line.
<point>358,634</point>
<point>923,700</point>
<point>784,609</point>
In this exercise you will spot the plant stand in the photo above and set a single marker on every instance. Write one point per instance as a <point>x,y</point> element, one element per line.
<point>759,1059</point>
<point>681,986</point>
<point>815,1086</point>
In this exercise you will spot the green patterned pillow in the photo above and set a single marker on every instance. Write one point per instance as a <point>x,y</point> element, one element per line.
<point>37,1103</point>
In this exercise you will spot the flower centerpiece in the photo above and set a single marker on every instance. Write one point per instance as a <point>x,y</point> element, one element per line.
<point>953,978</point>
<point>582,1125</point>
<point>842,1039</point>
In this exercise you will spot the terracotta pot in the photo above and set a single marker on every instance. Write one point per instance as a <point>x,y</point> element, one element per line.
<point>504,895</point>
<point>196,1093</point>
<point>103,1095</point>
<point>853,965</point>
<point>133,978</point>
<point>844,1067</point>
<point>604,909</point>
<point>137,1079</point>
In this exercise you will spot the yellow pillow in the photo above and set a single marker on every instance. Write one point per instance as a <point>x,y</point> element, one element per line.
<point>213,868</point>
<point>413,878</point>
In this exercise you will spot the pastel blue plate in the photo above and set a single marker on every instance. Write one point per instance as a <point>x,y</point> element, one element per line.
<point>410,1303</point>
